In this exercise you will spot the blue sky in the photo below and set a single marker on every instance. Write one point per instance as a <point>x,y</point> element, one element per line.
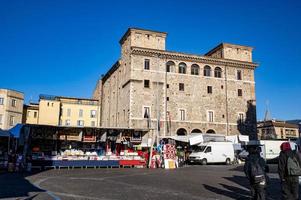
<point>62,47</point>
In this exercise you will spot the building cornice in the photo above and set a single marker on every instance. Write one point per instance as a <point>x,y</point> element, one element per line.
<point>191,57</point>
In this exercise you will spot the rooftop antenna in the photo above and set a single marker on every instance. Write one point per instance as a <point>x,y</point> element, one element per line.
<point>267,115</point>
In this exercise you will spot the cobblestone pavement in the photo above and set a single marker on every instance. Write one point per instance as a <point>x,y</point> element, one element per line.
<point>191,182</point>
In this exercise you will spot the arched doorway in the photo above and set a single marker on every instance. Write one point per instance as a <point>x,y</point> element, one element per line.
<point>196,131</point>
<point>210,131</point>
<point>181,131</point>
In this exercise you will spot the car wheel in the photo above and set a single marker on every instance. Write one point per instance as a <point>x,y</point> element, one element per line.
<point>204,162</point>
<point>228,161</point>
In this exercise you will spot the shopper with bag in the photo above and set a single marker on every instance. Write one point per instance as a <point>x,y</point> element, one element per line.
<point>289,171</point>
<point>255,169</point>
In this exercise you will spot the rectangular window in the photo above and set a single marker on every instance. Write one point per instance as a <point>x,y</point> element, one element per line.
<point>80,114</point>
<point>67,122</point>
<point>13,102</point>
<point>239,92</point>
<point>182,114</point>
<point>11,120</point>
<point>146,83</point>
<point>181,86</point>
<point>146,64</point>
<point>80,122</point>
<point>241,118</point>
<point>68,112</point>
<point>167,98</point>
<point>93,123</point>
<point>209,89</point>
<point>167,68</point>
<point>35,114</point>
<point>210,116</point>
<point>1,119</point>
<point>1,101</point>
<point>239,77</point>
<point>146,112</point>
<point>93,113</point>
<point>167,85</point>
<point>28,113</point>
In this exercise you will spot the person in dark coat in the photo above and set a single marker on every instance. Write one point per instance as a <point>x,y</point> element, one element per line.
<point>289,184</point>
<point>257,188</point>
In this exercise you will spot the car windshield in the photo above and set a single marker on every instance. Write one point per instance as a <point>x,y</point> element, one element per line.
<point>199,148</point>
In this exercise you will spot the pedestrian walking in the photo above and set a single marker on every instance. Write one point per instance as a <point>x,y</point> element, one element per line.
<point>289,171</point>
<point>255,169</point>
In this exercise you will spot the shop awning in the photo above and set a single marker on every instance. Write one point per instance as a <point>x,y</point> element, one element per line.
<point>16,130</point>
<point>4,133</point>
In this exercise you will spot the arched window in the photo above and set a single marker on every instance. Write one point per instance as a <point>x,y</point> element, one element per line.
<point>218,72</point>
<point>170,66</point>
<point>210,131</point>
<point>182,68</point>
<point>196,131</point>
<point>195,69</point>
<point>181,131</point>
<point>207,70</point>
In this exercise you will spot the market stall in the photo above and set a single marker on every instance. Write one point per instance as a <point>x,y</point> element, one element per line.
<point>52,146</point>
<point>6,139</point>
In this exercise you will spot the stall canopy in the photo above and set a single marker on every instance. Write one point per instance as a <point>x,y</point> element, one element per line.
<point>16,130</point>
<point>4,133</point>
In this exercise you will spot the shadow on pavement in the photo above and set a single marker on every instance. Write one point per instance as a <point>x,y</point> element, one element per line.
<point>15,185</point>
<point>273,190</point>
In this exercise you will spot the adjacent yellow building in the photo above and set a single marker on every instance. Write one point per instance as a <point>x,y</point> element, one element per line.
<point>30,113</point>
<point>277,129</point>
<point>63,111</point>
<point>11,108</point>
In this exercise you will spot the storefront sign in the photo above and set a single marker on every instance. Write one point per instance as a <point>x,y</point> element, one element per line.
<point>71,137</point>
<point>89,138</point>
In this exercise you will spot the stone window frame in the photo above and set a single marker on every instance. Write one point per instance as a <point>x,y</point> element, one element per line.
<point>239,74</point>
<point>145,84</point>
<point>1,100</point>
<point>93,113</point>
<point>143,112</point>
<point>68,112</point>
<point>79,123</point>
<point>67,122</point>
<point>170,66</point>
<point>80,113</point>
<point>11,120</point>
<point>195,69</point>
<point>14,103</point>
<point>209,89</point>
<point>218,72</point>
<point>239,118</point>
<point>181,87</point>
<point>146,64</point>
<point>182,68</point>
<point>180,114</point>
<point>207,71</point>
<point>239,92</point>
<point>208,116</point>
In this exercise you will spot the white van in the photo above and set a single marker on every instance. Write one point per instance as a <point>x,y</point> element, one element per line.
<point>213,152</point>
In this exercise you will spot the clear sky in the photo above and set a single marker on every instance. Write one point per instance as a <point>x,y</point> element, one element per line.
<point>61,47</point>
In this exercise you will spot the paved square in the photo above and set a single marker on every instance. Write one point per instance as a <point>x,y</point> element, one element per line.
<point>191,182</point>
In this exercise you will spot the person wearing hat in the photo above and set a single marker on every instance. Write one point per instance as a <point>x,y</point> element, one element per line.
<point>289,181</point>
<point>255,169</point>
